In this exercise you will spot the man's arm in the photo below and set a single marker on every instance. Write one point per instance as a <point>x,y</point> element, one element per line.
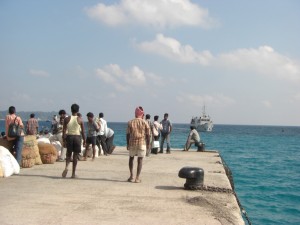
<point>97,126</point>
<point>127,136</point>
<point>171,127</point>
<point>148,140</point>
<point>37,126</point>
<point>127,140</point>
<point>147,135</point>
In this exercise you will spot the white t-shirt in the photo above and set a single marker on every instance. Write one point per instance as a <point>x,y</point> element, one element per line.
<point>109,132</point>
<point>103,128</point>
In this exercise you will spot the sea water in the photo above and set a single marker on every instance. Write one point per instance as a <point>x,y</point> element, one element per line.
<point>264,161</point>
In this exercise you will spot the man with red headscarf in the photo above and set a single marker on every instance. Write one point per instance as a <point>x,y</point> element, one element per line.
<point>138,141</point>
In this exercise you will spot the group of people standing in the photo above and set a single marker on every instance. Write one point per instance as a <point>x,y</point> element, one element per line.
<point>141,133</point>
<point>159,131</point>
<point>99,134</point>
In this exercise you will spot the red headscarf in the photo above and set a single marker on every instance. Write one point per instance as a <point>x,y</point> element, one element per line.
<point>139,111</point>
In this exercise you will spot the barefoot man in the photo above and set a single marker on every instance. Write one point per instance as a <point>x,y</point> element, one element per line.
<point>72,127</point>
<point>138,141</point>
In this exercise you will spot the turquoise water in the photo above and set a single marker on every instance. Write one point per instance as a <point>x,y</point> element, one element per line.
<point>264,161</point>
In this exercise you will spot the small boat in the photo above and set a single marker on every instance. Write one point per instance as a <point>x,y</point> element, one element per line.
<point>202,123</point>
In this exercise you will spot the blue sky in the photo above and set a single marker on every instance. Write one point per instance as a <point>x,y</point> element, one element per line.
<point>239,58</point>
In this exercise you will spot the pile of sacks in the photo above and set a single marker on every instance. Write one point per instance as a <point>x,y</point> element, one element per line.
<point>34,152</point>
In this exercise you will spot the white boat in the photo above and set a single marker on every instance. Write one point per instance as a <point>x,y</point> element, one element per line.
<point>202,123</point>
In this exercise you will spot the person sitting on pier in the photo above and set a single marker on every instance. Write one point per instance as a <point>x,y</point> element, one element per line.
<point>193,138</point>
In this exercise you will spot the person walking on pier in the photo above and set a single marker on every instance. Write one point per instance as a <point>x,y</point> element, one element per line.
<point>72,128</point>
<point>138,141</point>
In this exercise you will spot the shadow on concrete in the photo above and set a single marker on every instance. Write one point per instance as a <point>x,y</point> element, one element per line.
<point>69,178</point>
<point>169,188</point>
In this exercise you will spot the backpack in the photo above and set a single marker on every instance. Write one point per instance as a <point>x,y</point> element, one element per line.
<point>14,130</point>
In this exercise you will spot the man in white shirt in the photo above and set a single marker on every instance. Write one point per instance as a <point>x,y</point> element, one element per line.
<point>101,138</point>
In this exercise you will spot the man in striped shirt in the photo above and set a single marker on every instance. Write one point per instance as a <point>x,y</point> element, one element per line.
<point>138,141</point>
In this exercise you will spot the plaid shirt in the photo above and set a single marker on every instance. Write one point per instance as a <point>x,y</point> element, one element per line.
<point>137,129</point>
<point>31,127</point>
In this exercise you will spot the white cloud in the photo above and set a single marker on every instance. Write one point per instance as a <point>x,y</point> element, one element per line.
<point>172,49</point>
<point>111,15</point>
<point>263,60</point>
<point>124,80</point>
<point>200,100</point>
<point>135,77</point>
<point>38,73</point>
<point>156,13</point>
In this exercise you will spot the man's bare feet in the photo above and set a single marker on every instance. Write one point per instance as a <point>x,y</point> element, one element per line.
<point>137,180</point>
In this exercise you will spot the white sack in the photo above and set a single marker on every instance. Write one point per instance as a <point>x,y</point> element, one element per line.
<point>8,162</point>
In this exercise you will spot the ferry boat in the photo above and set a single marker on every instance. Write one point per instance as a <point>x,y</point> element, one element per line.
<point>202,123</point>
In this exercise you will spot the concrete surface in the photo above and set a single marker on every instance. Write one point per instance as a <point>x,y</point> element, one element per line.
<point>102,195</point>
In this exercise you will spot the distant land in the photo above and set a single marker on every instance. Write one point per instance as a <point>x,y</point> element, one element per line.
<point>26,115</point>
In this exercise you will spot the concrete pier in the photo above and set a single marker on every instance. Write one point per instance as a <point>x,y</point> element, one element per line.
<point>102,195</point>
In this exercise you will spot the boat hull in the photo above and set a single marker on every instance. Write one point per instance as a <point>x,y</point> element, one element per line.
<point>202,126</point>
<point>206,127</point>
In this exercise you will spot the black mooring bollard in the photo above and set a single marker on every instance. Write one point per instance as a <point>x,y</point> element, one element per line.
<point>200,146</point>
<point>194,177</point>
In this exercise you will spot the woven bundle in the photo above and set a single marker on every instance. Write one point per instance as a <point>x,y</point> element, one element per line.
<point>48,153</point>
<point>48,158</point>
<point>28,157</point>
<point>30,142</point>
<point>27,163</point>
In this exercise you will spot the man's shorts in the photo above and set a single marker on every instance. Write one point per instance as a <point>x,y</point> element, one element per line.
<point>73,143</point>
<point>139,151</point>
<point>91,140</point>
